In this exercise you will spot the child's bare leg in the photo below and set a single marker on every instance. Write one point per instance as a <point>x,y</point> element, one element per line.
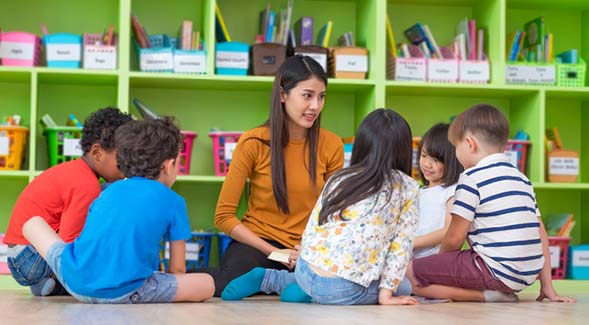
<point>442,291</point>
<point>40,235</point>
<point>194,287</point>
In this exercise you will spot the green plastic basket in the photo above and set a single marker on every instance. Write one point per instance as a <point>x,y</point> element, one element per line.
<point>571,75</point>
<point>62,142</point>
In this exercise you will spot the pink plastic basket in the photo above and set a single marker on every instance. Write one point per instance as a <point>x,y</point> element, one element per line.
<point>223,145</point>
<point>20,49</point>
<point>520,149</point>
<point>3,250</point>
<point>186,153</point>
<point>560,247</point>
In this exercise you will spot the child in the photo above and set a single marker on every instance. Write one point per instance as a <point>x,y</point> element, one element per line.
<point>61,195</point>
<point>495,210</point>
<point>358,240</point>
<point>112,259</point>
<point>439,173</point>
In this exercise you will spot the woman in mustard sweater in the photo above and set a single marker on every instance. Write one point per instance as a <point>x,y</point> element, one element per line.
<point>288,159</point>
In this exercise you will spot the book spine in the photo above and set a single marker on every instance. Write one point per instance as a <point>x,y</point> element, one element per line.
<point>306,31</point>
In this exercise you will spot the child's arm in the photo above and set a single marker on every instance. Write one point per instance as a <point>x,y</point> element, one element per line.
<point>177,256</point>
<point>434,238</point>
<point>455,235</point>
<point>546,288</point>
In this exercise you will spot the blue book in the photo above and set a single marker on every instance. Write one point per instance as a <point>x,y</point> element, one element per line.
<point>417,34</point>
<point>270,27</point>
<point>570,56</point>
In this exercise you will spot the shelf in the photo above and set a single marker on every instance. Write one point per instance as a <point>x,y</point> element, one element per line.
<point>200,179</point>
<point>561,186</point>
<point>14,173</point>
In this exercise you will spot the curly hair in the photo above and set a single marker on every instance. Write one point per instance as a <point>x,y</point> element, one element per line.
<point>143,146</point>
<point>100,126</point>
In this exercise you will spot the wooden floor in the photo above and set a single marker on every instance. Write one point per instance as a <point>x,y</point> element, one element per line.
<point>17,306</point>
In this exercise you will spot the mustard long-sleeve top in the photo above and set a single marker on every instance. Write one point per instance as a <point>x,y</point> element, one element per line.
<point>251,159</point>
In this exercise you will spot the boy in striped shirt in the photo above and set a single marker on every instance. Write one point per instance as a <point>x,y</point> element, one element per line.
<point>495,210</point>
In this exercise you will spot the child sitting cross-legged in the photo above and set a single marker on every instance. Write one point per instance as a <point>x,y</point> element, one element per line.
<point>112,259</point>
<point>495,210</point>
<point>358,240</point>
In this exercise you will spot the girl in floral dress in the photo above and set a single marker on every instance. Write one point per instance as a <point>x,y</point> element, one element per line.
<point>358,241</point>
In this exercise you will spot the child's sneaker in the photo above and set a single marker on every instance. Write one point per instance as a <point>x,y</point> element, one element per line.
<point>43,288</point>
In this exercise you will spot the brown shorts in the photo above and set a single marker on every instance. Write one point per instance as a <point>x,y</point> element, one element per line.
<point>462,269</point>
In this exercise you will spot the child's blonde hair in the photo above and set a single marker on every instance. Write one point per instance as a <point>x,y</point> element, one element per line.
<point>485,122</point>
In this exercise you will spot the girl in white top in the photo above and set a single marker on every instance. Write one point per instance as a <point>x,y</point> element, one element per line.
<point>440,170</point>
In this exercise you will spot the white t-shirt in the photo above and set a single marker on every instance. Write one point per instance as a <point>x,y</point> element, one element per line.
<point>432,214</point>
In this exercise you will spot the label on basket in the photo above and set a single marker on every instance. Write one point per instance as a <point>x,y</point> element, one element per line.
<point>581,258</point>
<point>321,58</point>
<point>351,63</point>
<point>156,61</point>
<point>4,146</point>
<point>232,60</point>
<point>17,50</point>
<point>442,70</point>
<point>229,148</point>
<point>192,250</point>
<point>410,70</point>
<point>100,58</point>
<point>530,74</point>
<point>474,71</point>
<point>63,52</point>
<point>190,63</point>
<point>71,147</point>
<point>554,256</point>
<point>512,155</point>
<point>564,166</point>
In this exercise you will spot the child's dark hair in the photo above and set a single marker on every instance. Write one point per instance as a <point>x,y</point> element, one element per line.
<point>436,144</point>
<point>100,126</point>
<point>382,149</point>
<point>143,146</point>
<point>484,121</point>
<point>294,70</point>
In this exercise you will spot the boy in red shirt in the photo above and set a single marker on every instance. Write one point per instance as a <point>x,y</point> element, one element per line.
<point>62,195</point>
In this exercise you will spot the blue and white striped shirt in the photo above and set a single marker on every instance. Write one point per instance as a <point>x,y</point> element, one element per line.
<point>500,203</point>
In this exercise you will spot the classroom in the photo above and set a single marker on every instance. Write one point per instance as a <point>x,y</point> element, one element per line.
<point>242,222</point>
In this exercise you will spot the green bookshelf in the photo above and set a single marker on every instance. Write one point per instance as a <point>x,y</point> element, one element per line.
<point>202,102</point>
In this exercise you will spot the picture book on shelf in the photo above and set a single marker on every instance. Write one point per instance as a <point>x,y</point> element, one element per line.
<point>221,32</point>
<point>560,225</point>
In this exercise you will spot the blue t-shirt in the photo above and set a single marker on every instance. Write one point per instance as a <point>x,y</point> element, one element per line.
<point>114,254</point>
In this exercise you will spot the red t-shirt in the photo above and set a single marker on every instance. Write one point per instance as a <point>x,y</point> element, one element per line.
<point>61,195</point>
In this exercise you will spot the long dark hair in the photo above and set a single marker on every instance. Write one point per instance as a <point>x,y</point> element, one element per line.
<point>294,70</point>
<point>436,144</point>
<point>382,148</point>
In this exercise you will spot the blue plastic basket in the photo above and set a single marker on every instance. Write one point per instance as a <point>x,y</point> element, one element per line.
<point>161,46</point>
<point>223,241</point>
<point>198,249</point>
<point>63,50</point>
<point>232,58</point>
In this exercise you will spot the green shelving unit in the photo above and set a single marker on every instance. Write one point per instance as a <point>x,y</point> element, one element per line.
<point>202,102</point>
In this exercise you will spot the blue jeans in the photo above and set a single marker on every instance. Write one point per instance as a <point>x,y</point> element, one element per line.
<point>28,267</point>
<point>327,290</point>
<point>158,288</point>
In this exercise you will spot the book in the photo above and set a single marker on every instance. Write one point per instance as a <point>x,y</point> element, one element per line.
<point>325,34</point>
<point>391,38</point>
<point>553,135</point>
<point>472,25</point>
<point>462,28</point>
<point>145,111</point>
<point>221,32</point>
<point>185,35</point>
<point>534,40</point>
<point>47,121</point>
<point>480,44</point>
<point>270,27</point>
<point>559,224</point>
<point>570,56</point>
<point>304,30</point>
<point>434,49</point>
<point>280,256</point>
<point>420,33</point>
<point>511,45</point>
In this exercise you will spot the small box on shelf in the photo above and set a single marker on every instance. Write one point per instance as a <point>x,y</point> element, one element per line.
<point>63,50</point>
<point>159,57</point>
<point>98,55</point>
<point>13,142</point>
<point>318,53</point>
<point>20,49</point>
<point>232,58</point>
<point>522,73</point>
<point>348,62</point>
<point>267,58</point>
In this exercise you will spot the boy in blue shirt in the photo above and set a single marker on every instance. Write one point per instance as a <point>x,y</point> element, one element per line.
<point>112,259</point>
<point>495,210</point>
